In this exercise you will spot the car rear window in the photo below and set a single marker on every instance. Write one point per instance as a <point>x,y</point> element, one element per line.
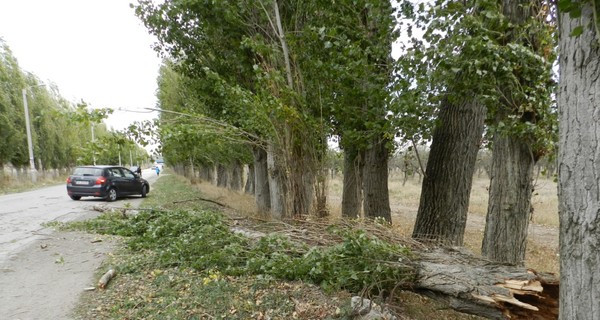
<point>87,172</point>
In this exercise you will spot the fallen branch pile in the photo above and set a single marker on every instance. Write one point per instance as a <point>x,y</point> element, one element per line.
<point>465,282</point>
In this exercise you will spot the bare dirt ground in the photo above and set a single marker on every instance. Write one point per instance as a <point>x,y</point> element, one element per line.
<point>45,280</point>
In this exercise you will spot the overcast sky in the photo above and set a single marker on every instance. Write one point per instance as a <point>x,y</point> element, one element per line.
<point>95,50</point>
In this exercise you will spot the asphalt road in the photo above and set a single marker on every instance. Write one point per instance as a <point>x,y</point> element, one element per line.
<point>43,272</point>
<point>22,214</point>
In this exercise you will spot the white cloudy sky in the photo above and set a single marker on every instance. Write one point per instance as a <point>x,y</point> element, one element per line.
<point>95,50</point>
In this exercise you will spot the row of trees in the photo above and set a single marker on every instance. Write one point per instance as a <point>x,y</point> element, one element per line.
<point>276,79</point>
<point>61,131</point>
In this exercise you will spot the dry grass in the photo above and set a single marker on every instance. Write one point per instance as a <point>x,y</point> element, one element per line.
<point>12,185</point>
<point>544,201</point>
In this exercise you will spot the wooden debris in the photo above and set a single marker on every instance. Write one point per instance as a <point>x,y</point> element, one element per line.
<point>103,282</point>
<point>478,286</point>
<point>202,199</point>
<point>464,282</point>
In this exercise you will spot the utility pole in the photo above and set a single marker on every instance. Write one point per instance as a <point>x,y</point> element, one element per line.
<point>32,169</point>
<point>93,145</point>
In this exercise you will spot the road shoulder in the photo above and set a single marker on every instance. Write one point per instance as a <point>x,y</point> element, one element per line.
<point>45,279</point>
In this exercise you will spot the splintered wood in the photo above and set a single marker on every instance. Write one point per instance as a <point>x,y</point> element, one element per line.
<point>480,287</point>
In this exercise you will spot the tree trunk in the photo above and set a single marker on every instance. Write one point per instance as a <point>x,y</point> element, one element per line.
<point>302,181</point>
<point>192,170</point>
<point>207,173</point>
<point>284,48</point>
<point>375,181</point>
<point>578,161</point>
<point>222,176</point>
<point>236,175</point>
<point>442,214</point>
<point>262,194</point>
<point>249,188</point>
<point>277,185</point>
<point>509,208</point>
<point>351,190</point>
<point>476,286</point>
<point>509,205</point>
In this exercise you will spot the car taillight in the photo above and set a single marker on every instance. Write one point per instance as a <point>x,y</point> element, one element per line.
<point>101,180</point>
<point>69,180</point>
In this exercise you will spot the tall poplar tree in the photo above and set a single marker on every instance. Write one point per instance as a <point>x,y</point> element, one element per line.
<point>524,126</point>
<point>579,155</point>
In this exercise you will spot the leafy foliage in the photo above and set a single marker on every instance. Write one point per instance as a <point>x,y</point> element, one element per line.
<point>470,49</point>
<point>60,130</point>
<point>204,241</point>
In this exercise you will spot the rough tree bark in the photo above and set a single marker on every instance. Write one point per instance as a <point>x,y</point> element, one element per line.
<point>207,172</point>
<point>376,203</point>
<point>479,287</point>
<point>277,184</point>
<point>262,194</point>
<point>473,285</point>
<point>351,189</point>
<point>442,214</point>
<point>236,175</point>
<point>249,187</point>
<point>578,161</point>
<point>222,176</point>
<point>509,208</point>
<point>301,180</point>
<point>513,160</point>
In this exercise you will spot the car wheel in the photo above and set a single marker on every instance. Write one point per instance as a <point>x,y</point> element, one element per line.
<point>75,197</point>
<point>112,195</point>
<point>144,190</point>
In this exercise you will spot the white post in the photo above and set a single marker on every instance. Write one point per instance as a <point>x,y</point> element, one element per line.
<point>93,146</point>
<point>29,139</point>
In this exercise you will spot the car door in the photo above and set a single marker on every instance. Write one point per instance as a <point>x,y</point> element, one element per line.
<point>117,179</point>
<point>130,181</point>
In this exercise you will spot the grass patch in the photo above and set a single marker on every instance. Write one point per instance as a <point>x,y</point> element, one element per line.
<point>175,293</point>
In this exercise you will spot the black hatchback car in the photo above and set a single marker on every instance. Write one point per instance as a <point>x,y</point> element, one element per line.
<point>108,182</point>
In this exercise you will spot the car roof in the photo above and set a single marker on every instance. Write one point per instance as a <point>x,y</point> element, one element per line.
<point>101,166</point>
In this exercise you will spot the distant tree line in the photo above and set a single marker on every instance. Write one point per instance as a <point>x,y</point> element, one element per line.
<point>61,130</point>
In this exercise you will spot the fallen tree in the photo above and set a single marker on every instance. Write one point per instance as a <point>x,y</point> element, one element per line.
<point>476,286</point>
<point>465,282</point>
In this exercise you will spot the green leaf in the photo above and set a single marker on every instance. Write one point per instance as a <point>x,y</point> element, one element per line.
<point>575,12</point>
<point>565,5</point>
<point>577,31</point>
